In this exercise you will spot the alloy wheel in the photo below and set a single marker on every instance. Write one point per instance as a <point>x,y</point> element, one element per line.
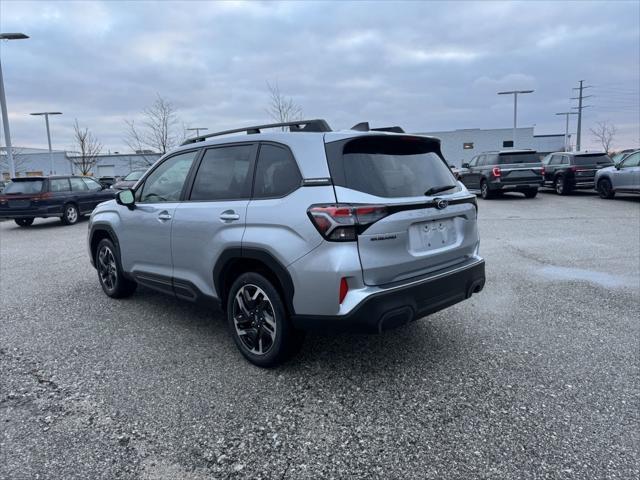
<point>107,268</point>
<point>72,214</point>
<point>254,319</point>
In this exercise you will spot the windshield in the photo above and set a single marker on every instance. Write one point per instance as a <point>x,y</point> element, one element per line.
<point>527,157</point>
<point>24,186</point>
<point>592,160</point>
<point>392,167</point>
<point>134,176</point>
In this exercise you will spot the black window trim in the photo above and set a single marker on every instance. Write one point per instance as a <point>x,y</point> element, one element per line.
<point>186,198</point>
<point>140,183</point>
<point>255,169</point>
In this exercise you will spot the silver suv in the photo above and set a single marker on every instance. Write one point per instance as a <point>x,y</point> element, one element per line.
<point>360,230</point>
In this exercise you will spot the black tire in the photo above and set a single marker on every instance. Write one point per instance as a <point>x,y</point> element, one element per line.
<point>485,193</point>
<point>531,193</point>
<point>605,189</point>
<point>24,222</point>
<point>70,214</point>
<point>560,186</point>
<point>269,338</point>
<point>110,274</point>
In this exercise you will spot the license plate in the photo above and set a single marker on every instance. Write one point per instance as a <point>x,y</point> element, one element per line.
<point>437,234</point>
<point>19,203</point>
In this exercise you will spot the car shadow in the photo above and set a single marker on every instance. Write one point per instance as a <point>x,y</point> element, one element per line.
<point>45,223</point>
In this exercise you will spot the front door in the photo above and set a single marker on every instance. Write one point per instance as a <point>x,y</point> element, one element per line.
<point>145,231</point>
<point>212,218</point>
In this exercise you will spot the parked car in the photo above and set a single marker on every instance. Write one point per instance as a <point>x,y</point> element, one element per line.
<point>492,173</point>
<point>568,171</point>
<point>289,231</point>
<point>623,177</point>
<point>130,180</point>
<point>107,182</point>
<point>67,197</point>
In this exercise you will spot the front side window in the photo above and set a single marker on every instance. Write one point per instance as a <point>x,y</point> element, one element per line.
<point>631,161</point>
<point>224,174</point>
<point>92,185</point>
<point>276,173</point>
<point>165,183</point>
<point>77,185</point>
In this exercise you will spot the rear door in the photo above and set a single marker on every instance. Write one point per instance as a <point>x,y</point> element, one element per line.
<point>415,237</point>
<point>520,168</point>
<point>212,217</point>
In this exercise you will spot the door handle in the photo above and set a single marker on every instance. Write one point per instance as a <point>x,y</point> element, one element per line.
<point>229,216</point>
<point>163,216</point>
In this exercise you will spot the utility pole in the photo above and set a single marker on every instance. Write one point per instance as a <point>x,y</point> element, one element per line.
<point>515,108</point>
<point>580,107</point>
<point>567,147</point>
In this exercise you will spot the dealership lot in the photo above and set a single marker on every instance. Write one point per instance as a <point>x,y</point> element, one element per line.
<point>535,377</point>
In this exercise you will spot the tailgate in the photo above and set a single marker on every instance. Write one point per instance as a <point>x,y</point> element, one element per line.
<point>417,241</point>
<point>521,173</point>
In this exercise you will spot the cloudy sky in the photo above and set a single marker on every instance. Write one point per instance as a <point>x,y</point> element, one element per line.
<point>424,65</point>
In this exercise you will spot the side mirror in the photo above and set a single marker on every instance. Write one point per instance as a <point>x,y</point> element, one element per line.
<point>465,165</point>
<point>126,198</point>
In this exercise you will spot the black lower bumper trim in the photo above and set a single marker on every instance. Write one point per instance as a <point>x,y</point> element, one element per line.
<point>390,309</point>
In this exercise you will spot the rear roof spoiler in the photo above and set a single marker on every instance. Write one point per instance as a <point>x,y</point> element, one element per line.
<point>364,127</point>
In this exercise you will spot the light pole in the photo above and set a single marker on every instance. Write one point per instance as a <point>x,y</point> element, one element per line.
<point>198,130</point>
<point>515,108</point>
<point>3,104</point>
<point>566,128</point>
<point>46,120</point>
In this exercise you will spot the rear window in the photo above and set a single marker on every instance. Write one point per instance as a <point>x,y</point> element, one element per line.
<point>592,160</point>
<point>24,186</point>
<point>525,157</point>
<point>389,166</point>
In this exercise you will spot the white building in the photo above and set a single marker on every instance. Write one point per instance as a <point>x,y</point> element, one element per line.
<point>459,146</point>
<point>36,161</point>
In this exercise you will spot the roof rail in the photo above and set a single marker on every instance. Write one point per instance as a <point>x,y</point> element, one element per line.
<point>364,127</point>
<point>317,125</point>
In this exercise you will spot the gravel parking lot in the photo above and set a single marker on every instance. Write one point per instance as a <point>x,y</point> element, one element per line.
<point>536,377</point>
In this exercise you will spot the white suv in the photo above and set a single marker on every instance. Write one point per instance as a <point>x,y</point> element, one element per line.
<point>360,230</point>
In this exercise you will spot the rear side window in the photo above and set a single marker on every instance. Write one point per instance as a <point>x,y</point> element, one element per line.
<point>509,158</point>
<point>92,184</point>
<point>59,185</point>
<point>276,173</point>
<point>224,174</point>
<point>77,185</point>
<point>24,186</point>
<point>388,166</point>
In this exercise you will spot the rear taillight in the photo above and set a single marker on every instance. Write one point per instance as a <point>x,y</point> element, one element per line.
<point>542,171</point>
<point>344,288</point>
<point>496,172</point>
<point>42,196</point>
<point>342,222</point>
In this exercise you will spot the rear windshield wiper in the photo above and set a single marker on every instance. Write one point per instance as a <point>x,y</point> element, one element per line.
<point>438,189</point>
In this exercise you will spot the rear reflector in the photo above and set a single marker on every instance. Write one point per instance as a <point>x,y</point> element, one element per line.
<point>344,288</point>
<point>341,222</point>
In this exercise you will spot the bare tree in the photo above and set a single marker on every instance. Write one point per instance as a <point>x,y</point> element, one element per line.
<point>20,161</point>
<point>88,148</point>
<point>604,132</point>
<point>282,109</point>
<point>159,130</point>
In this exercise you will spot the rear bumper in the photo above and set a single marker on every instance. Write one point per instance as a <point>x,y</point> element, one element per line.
<point>396,306</point>
<point>33,212</point>
<point>582,184</point>
<point>515,186</point>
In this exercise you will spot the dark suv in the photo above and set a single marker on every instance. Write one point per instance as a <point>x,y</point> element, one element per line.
<point>67,197</point>
<point>491,173</point>
<point>567,171</point>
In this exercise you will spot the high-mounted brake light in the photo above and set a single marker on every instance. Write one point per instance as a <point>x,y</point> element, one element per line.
<point>496,172</point>
<point>342,222</point>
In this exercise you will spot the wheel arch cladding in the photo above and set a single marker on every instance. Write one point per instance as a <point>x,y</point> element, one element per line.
<point>99,233</point>
<point>235,261</point>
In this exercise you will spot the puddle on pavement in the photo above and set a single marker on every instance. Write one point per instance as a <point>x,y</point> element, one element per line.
<point>608,280</point>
